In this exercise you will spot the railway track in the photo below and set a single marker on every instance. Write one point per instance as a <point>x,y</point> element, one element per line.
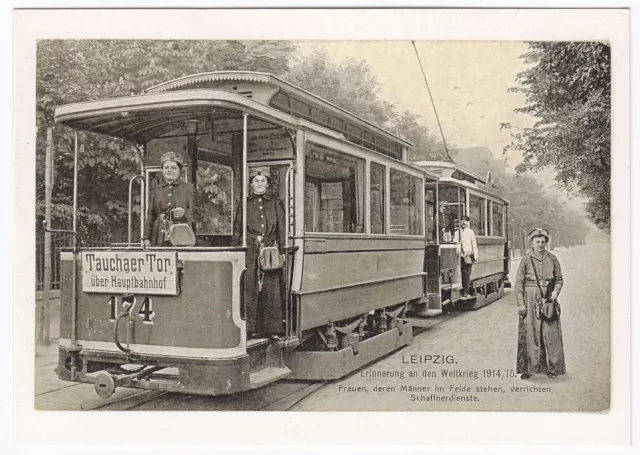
<point>280,396</point>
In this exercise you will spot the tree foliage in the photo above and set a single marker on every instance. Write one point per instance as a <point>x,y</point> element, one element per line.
<point>567,89</point>
<point>531,206</point>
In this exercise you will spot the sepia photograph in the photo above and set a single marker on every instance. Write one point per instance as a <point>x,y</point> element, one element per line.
<point>322,225</point>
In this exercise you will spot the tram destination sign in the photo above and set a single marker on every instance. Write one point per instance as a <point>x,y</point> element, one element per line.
<point>135,272</point>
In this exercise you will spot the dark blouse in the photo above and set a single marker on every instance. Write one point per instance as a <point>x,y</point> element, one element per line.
<point>166,196</point>
<point>265,217</point>
<point>549,274</point>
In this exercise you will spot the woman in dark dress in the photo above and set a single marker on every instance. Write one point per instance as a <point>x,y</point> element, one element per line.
<point>263,294</point>
<point>172,199</point>
<point>540,347</point>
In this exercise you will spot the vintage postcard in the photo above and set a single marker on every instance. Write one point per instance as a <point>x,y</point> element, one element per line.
<point>388,212</point>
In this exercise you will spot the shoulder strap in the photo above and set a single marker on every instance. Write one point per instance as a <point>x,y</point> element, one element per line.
<point>535,272</point>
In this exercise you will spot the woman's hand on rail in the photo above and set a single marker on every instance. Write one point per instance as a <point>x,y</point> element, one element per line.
<point>178,212</point>
<point>147,243</point>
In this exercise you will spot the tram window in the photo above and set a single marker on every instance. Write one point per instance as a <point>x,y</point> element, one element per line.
<point>497,220</point>
<point>215,187</point>
<point>451,207</point>
<point>477,214</point>
<point>377,194</point>
<point>334,191</point>
<point>337,123</point>
<point>406,203</point>
<point>300,108</point>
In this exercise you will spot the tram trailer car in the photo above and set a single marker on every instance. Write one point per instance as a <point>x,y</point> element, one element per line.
<point>457,192</point>
<point>174,318</point>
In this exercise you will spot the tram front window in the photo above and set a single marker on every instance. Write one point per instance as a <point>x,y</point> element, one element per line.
<point>215,204</point>
<point>218,142</point>
<point>451,207</point>
<point>214,201</point>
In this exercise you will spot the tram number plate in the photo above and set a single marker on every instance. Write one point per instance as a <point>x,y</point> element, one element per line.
<point>130,272</point>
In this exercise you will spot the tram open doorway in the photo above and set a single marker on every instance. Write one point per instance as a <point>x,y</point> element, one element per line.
<point>269,225</point>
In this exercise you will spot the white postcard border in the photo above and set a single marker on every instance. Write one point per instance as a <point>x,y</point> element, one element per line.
<point>52,428</point>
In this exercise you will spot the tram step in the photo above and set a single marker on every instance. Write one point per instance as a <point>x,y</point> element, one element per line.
<point>429,312</point>
<point>267,375</point>
<point>256,342</point>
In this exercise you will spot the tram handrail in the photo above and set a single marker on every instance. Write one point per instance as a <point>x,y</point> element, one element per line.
<point>142,186</point>
<point>289,216</point>
<point>289,198</point>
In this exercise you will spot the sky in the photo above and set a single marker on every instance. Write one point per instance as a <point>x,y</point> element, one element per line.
<point>469,82</point>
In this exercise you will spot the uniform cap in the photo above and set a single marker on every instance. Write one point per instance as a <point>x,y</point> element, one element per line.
<point>172,156</point>
<point>259,171</point>
<point>538,232</point>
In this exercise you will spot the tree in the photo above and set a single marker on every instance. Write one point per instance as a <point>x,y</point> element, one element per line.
<point>567,89</point>
<point>531,206</point>
<point>348,84</point>
<point>427,146</point>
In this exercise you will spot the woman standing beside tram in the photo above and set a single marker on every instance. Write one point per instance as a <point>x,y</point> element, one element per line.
<point>265,228</point>
<point>538,284</point>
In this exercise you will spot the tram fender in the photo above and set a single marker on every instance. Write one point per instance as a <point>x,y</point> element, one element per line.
<point>322,365</point>
<point>225,379</point>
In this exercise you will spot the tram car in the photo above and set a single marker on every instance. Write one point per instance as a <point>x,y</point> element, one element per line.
<point>459,192</point>
<point>362,245</point>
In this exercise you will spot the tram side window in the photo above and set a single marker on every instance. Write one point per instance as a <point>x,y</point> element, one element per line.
<point>334,191</point>
<point>406,203</point>
<point>477,214</point>
<point>497,220</point>
<point>378,182</point>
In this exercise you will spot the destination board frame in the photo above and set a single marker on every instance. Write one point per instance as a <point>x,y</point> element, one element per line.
<point>123,274</point>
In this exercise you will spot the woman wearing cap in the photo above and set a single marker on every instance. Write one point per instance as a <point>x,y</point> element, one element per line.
<point>173,199</point>
<point>265,226</point>
<point>539,340</point>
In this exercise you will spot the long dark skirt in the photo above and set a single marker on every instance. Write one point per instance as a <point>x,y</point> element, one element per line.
<point>540,348</point>
<point>263,308</point>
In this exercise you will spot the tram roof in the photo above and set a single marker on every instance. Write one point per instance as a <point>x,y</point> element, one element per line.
<point>140,118</point>
<point>453,170</point>
<point>286,97</point>
<point>448,172</point>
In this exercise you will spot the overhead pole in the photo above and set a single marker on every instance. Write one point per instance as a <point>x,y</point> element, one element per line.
<point>45,332</point>
<point>424,76</point>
